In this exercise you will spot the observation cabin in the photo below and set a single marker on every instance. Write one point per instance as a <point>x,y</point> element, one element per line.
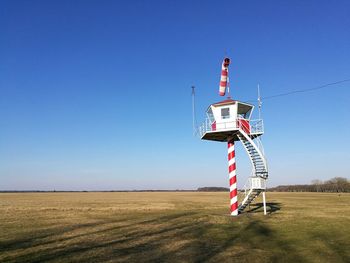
<point>225,119</point>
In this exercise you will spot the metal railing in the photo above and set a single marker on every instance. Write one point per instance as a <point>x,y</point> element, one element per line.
<point>256,126</point>
<point>252,182</point>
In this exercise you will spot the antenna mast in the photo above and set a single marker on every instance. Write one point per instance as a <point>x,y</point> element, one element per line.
<point>259,102</point>
<point>228,88</point>
<point>194,121</point>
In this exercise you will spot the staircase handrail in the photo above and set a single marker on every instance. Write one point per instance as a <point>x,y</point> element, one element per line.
<point>246,197</point>
<point>247,137</point>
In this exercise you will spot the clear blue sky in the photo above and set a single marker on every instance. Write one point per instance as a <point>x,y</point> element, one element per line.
<point>96,94</point>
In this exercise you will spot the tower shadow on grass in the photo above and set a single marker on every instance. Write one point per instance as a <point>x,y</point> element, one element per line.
<point>157,238</point>
<point>259,207</point>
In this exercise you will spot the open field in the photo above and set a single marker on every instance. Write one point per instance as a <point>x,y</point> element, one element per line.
<point>172,226</point>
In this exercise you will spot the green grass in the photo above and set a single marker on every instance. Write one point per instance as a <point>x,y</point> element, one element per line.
<point>174,227</point>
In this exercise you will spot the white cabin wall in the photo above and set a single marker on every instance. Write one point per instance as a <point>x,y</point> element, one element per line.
<point>233,112</point>
<point>216,113</point>
<point>225,123</point>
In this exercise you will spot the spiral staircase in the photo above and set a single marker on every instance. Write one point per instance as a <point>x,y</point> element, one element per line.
<point>256,184</point>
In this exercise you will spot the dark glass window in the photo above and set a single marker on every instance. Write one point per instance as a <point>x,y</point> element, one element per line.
<point>225,113</point>
<point>211,116</point>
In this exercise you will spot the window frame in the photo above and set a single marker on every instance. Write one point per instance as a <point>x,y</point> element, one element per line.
<point>226,116</point>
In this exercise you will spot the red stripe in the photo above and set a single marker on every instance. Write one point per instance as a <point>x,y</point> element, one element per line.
<point>229,144</point>
<point>224,72</point>
<point>233,193</point>
<point>233,180</point>
<point>222,93</point>
<point>231,155</point>
<point>232,167</point>
<point>234,207</point>
<point>223,83</point>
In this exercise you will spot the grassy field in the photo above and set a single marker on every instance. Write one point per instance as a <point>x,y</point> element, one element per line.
<point>173,227</point>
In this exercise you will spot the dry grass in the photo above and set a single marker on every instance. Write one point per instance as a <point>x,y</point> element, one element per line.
<point>175,227</point>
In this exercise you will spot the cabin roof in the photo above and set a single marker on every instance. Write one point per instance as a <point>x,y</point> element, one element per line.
<point>224,102</point>
<point>243,106</point>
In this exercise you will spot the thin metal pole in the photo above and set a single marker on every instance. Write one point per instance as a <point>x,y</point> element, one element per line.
<point>194,121</point>
<point>264,201</point>
<point>259,102</point>
<point>228,87</point>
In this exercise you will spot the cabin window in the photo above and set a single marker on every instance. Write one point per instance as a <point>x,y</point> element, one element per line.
<point>244,115</point>
<point>244,111</point>
<point>225,113</point>
<point>210,116</point>
<point>247,115</point>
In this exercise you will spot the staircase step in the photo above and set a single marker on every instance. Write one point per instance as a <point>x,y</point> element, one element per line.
<point>259,165</point>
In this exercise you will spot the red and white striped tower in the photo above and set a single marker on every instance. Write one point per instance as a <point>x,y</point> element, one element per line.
<point>233,178</point>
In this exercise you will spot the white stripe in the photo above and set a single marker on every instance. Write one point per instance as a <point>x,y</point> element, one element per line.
<point>231,149</point>
<point>234,200</point>
<point>232,174</point>
<point>234,213</point>
<point>233,187</point>
<point>232,161</point>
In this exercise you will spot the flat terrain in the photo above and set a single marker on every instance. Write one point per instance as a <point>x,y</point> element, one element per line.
<point>173,227</point>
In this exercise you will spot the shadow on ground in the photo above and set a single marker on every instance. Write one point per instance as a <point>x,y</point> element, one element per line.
<point>259,207</point>
<point>176,237</point>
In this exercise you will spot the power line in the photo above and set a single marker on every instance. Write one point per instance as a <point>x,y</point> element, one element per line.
<point>305,90</point>
<point>302,90</point>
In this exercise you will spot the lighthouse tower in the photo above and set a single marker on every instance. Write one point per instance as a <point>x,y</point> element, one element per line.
<point>230,121</point>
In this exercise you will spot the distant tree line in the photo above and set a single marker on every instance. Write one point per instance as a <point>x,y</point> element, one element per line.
<point>334,185</point>
<point>213,189</point>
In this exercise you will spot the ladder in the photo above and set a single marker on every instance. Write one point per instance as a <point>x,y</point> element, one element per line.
<point>249,198</point>
<point>260,170</point>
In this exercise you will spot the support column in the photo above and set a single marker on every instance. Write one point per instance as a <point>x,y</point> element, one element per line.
<point>264,201</point>
<point>233,179</point>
